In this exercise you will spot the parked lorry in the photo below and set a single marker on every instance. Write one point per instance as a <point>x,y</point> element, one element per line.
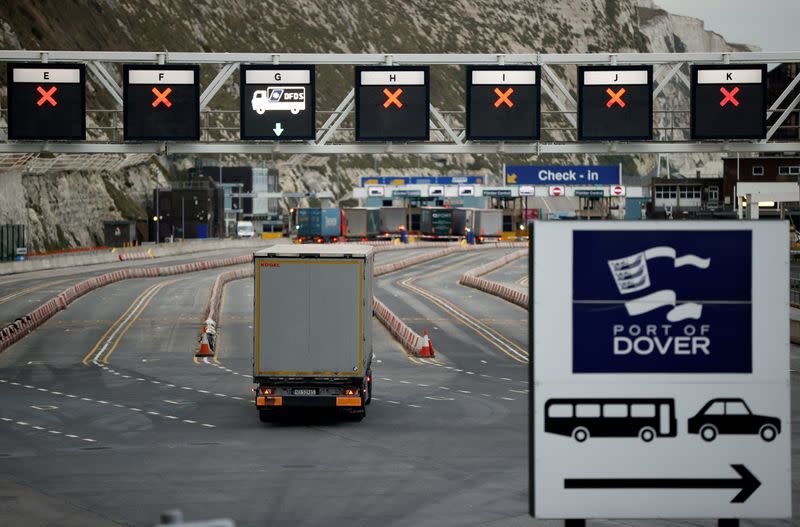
<point>392,220</point>
<point>318,225</point>
<point>313,336</point>
<point>483,223</point>
<point>361,223</point>
<point>437,223</point>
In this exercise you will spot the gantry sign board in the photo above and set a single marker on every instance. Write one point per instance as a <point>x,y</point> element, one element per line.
<point>660,367</point>
<point>277,103</point>
<point>161,103</point>
<point>46,101</point>
<point>503,103</point>
<point>729,102</point>
<point>615,103</point>
<point>392,103</point>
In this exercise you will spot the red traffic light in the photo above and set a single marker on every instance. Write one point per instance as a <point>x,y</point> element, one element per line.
<point>46,96</point>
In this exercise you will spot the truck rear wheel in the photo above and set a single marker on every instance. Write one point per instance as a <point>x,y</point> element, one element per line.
<point>266,416</point>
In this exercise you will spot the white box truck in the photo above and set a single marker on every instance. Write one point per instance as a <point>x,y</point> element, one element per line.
<point>312,328</point>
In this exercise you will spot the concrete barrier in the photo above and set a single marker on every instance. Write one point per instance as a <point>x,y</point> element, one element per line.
<point>407,337</point>
<point>472,279</point>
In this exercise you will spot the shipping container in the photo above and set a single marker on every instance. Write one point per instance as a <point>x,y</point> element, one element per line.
<point>437,223</point>
<point>313,328</point>
<point>318,225</point>
<point>361,222</point>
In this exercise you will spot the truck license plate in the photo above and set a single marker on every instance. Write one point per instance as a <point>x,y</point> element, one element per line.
<point>304,391</point>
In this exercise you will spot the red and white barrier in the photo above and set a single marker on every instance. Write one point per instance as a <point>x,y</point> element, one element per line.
<point>406,336</point>
<point>472,279</point>
<point>27,323</point>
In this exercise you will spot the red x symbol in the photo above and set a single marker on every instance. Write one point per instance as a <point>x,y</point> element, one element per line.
<point>46,96</point>
<point>503,97</point>
<point>161,97</point>
<point>616,98</point>
<point>729,96</point>
<point>392,98</point>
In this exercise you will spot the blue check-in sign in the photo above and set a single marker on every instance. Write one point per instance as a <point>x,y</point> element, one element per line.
<point>662,302</point>
<point>563,175</point>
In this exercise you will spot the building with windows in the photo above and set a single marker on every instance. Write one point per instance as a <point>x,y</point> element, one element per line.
<point>686,198</point>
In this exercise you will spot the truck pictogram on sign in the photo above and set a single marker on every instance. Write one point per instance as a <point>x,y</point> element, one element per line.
<point>291,98</point>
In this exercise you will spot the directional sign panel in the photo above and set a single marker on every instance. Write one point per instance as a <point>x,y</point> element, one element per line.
<point>277,103</point>
<point>46,101</point>
<point>615,103</point>
<point>392,103</point>
<point>503,103</point>
<point>729,102</point>
<point>162,103</point>
<point>660,370</point>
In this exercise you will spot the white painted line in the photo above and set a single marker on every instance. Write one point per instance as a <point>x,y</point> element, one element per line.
<point>72,396</point>
<point>504,379</point>
<point>385,379</point>
<point>28,386</point>
<point>393,402</point>
<point>460,371</point>
<point>119,406</point>
<point>41,389</point>
<point>414,406</point>
<point>486,395</point>
<point>237,398</point>
<point>171,385</point>
<point>170,417</point>
<point>186,388</point>
<point>518,391</point>
<point>3,380</point>
<point>23,423</point>
<point>470,373</point>
<point>443,388</point>
<point>72,436</point>
<point>155,382</point>
<point>89,440</point>
<point>54,432</point>
<point>39,427</point>
<point>126,376</point>
<point>136,409</point>
<point>115,373</point>
<point>464,391</point>
<point>483,361</point>
<point>102,402</point>
<point>484,375</point>
<point>423,385</point>
<point>6,419</point>
<point>15,383</point>
<point>139,379</point>
<point>153,413</point>
<point>208,425</point>
<point>189,421</point>
<point>508,399</point>
<point>56,393</point>
<point>220,395</point>
<point>405,382</point>
<point>85,399</point>
<point>203,391</point>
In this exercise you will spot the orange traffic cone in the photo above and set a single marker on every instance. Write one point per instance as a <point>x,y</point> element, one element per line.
<point>205,349</point>
<point>427,346</point>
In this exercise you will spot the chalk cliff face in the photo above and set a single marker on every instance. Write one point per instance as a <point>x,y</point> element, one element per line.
<point>67,208</point>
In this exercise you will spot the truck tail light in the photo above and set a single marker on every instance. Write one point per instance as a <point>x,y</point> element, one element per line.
<point>267,391</point>
<point>351,391</point>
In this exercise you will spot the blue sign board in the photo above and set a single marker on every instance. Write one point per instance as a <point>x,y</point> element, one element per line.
<point>563,175</point>
<point>421,180</point>
<point>662,302</point>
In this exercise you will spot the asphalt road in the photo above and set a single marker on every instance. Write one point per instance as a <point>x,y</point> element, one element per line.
<point>106,419</point>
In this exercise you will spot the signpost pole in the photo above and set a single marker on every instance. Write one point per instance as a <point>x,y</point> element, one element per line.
<point>531,407</point>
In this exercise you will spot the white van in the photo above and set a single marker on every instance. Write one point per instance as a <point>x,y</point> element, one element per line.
<point>244,229</point>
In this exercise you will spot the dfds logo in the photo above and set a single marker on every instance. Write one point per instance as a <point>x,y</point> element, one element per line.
<point>662,302</point>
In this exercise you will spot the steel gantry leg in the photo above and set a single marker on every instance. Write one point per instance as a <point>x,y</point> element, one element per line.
<point>218,82</point>
<point>107,81</point>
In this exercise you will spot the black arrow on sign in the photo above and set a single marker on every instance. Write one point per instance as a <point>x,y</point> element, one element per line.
<point>747,483</point>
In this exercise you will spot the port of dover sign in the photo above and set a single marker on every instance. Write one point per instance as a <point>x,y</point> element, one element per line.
<point>660,370</point>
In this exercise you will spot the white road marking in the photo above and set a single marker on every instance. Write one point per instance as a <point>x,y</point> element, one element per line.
<point>385,379</point>
<point>203,391</point>
<point>85,399</point>
<point>470,373</point>
<point>28,386</point>
<point>504,379</point>
<point>220,395</point>
<point>39,427</point>
<point>89,440</point>
<point>443,388</point>
<point>208,425</point>
<point>483,361</point>
<point>393,402</point>
<point>72,396</point>
<point>508,398</point>
<point>153,413</point>
<point>464,391</point>
<point>6,419</point>
<point>423,385</point>
<point>135,409</point>
<point>23,423</point>
<point>189,421</point>
<point>72,436</point>
<point>439,398</point>
<point>405,382</point>
<point>54,432</point>
<point>486,395</point>
<point>414,406</point>
<point>41,389</point>
<point>56,393</point>
<point>170,417</point>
